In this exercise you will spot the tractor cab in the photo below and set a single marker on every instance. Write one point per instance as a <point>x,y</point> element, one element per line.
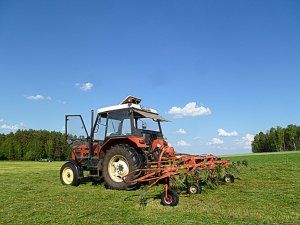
<point>129,126</point>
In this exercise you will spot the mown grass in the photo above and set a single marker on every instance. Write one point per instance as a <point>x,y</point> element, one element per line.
<point>266,193</point>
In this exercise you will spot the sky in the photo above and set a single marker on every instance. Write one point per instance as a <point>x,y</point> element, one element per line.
<point>221,71</point>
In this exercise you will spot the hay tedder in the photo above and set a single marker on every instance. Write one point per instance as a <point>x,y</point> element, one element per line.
<point>126,148</point>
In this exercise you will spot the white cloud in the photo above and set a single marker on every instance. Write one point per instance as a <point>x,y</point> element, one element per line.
<point>12,127</point>
<point>62,102</point>
<point>1,120</point>
<point>182,143</point>
<point>9,127</point>
<point>35,97</point>
<point>197,138</point>
<point>38,97</point>
<point>222,147</point>
<point>215,141</point>
<point>181,131</point>
<point>190,109</point>
<point>247,140</point>
<point>223,133</point>
<point>85,86</point>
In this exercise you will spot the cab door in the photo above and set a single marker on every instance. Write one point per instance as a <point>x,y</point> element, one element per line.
<point>77,136</point>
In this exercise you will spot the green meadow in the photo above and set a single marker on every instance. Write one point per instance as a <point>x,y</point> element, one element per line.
<point>266,192</point>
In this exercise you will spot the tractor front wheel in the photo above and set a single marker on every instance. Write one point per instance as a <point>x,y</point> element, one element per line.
<point>69,175</point>
<point>171,198</point>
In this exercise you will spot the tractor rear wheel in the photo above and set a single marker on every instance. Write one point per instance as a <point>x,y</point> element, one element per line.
<point>118,161</point>
<point>69,175</point>
<point>169,199</point>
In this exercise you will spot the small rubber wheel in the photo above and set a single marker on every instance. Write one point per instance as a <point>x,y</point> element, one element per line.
<point>69,175</point>
<point>228,178</point>
<point>193,188</point>
<point>171,199</point>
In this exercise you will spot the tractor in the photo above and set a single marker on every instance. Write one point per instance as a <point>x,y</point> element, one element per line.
<point>122,138</point>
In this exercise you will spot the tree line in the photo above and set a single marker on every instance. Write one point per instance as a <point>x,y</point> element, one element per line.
<point>33,145</point>
<point>277,140</point>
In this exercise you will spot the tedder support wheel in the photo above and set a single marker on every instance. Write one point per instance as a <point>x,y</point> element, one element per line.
<point>228,178</point>
<point>69,174</point>
<point>118,161</point>
<point>171,199</point>
<point>194,188</point>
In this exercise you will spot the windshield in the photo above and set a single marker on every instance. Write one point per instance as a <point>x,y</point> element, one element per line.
<point>118,123</point>
<point>147,124</point>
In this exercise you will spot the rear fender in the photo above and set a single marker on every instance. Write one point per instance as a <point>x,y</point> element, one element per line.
<point>136,142</point>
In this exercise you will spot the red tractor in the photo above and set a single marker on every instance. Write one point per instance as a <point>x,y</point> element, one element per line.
<point>127,148</point>
<point>123,138</point>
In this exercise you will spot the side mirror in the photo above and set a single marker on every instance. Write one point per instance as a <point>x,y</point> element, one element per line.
<point>144,125</point>
<point>96,128</point>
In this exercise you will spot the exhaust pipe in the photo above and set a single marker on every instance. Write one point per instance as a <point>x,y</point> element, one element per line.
<point>91,141</point>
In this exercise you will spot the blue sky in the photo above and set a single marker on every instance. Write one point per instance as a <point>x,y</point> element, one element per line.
<point>222,71</point>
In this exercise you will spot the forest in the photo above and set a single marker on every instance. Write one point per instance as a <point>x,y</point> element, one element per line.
<point>277,140</point>
<point>42,144</point>
<point>33,145</point>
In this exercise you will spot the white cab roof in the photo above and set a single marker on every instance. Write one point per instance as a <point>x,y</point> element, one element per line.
<point>132,102</point>
<point>126,106</point>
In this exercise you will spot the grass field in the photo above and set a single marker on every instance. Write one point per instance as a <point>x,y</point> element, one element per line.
<point>268,192</point>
